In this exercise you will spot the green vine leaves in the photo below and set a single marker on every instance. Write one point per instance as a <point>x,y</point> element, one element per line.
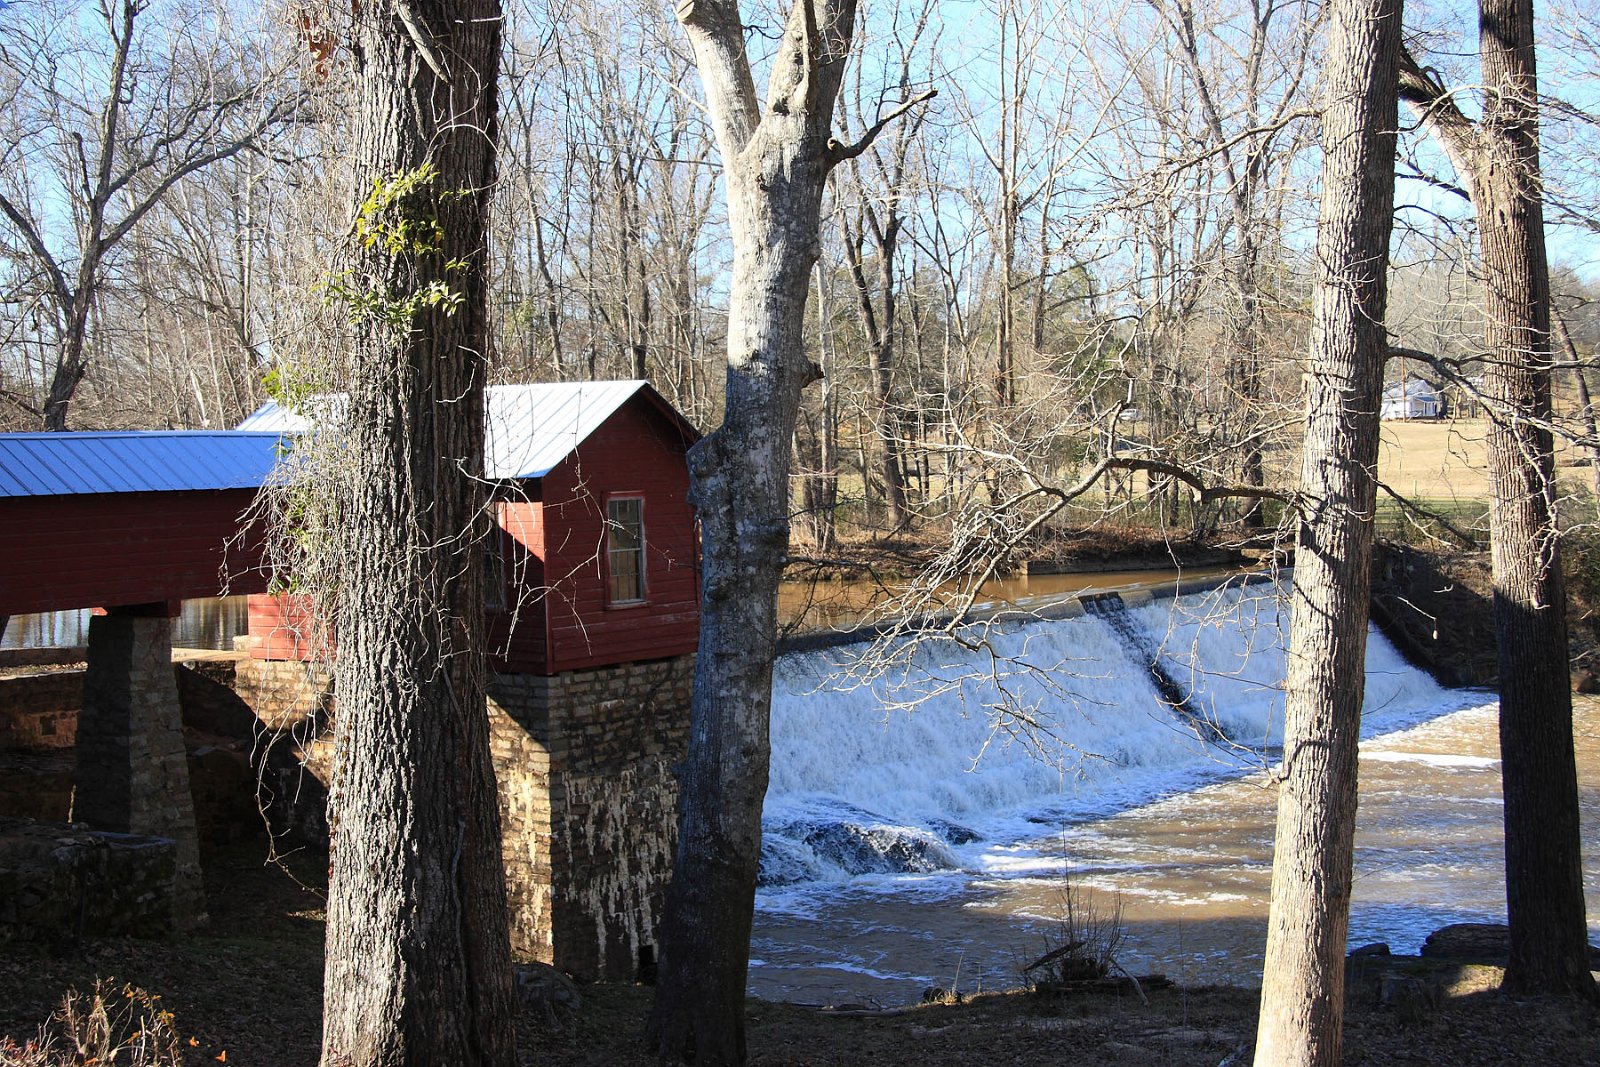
<point>399,220</point>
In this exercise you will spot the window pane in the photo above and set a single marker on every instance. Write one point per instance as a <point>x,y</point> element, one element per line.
<point>625,548</point>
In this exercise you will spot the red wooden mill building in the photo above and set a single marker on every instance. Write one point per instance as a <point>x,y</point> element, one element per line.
<point>596,558</point>
<point>592,611</point>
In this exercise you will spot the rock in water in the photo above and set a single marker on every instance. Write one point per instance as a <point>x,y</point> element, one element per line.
<point>1480,943</point>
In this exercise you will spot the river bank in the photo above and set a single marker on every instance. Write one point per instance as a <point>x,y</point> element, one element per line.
<point>247,991</point>
<point>249,985</point>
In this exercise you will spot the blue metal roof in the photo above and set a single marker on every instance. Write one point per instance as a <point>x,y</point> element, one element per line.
<point>63,464</point>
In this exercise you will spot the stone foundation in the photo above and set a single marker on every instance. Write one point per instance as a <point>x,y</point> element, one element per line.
<point>588,802</point>
<point>63,883</point>
<point>283,694</point>
<point>39,710</point>
<point>292,707</point>
<point>133,773</point>
<point>583,760</point>
<point>589,809</point>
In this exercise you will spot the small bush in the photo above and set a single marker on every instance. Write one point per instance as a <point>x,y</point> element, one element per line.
<point>127,1028</point>
<point>1083,947</point>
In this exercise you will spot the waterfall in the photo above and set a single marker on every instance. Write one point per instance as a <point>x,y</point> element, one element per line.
<point>1012,729</point>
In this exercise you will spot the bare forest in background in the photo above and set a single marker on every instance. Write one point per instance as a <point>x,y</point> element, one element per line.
<point>1044,263</point>
<point>1091,252</point>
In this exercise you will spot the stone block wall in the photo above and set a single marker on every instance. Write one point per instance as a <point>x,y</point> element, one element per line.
<point>39,709</point>
<point>583,759</point>
<point>589,806</point>
<point>226,744</point>
<point>132,770</point>
<point>37,785</point>
<point>60,883</point>
<point>283,694</point>
<point>291,703</point>
<point>519,744</point>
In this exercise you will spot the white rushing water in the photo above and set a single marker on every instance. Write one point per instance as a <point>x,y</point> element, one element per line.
<point>960,760</point>
<point>922,828</point>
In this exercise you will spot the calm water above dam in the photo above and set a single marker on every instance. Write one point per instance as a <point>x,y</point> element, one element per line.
<point>203,624</point>
<point>801,605</point>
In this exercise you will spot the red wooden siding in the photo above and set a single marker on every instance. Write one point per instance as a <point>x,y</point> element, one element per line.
<point>111,549</point>
<point>638,452</point>
<point>284,627</point>
<point>518,636</point>
<point>557,617</point>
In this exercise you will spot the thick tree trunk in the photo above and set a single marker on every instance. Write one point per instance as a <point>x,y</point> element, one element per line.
<point>776,162</point>
<point>1302,995</point>
<point>71,367</point>
<point>1498,159</point>
<point>418,964</point>
<point>1544,872</point>
<point>741,493</point>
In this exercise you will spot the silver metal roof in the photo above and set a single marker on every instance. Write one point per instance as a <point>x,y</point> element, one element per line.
<point>528,428</point>
<point>62,464</point>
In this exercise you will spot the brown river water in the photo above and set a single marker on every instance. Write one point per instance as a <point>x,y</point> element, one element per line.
<point>803,605</point>
<point>822,605</point>
<point>1191,874</point>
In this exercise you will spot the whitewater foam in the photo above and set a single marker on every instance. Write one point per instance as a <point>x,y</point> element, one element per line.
<point>975,745</point>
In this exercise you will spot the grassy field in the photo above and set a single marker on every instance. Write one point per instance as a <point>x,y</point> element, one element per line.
<point>1435,460</point>
<point>1443,467</point>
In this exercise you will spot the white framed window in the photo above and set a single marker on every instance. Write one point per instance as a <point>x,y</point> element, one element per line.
<point>625,579</point>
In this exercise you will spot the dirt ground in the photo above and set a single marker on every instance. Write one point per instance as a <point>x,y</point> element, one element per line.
<point>248,986</point>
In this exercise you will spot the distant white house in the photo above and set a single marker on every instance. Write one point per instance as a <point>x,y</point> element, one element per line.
<point>1414,398</point>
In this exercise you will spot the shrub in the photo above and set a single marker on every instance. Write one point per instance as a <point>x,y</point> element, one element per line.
<point>127,1028</point>
<point>1083,946</point>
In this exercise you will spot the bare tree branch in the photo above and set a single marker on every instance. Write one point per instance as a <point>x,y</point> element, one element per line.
<point>838,153</point>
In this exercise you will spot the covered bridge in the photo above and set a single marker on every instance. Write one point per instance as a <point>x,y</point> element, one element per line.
<point>592,612</point>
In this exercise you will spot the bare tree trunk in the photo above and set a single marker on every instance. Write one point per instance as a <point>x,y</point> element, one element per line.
<point>1544,872</point>
<point>822,484</point>
<point>776,162</point>
<point>881,332</point>
<point>71,366</point>
<point>108,124</point>
<point>1245,361</point>
<point>1302,995</point>
<point>418,961</point>
<point>552,305</point>
<point>1498,158</point>
<point>1580,375</point>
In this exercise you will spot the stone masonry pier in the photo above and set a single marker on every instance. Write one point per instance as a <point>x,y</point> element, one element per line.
<point>132,770</point>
